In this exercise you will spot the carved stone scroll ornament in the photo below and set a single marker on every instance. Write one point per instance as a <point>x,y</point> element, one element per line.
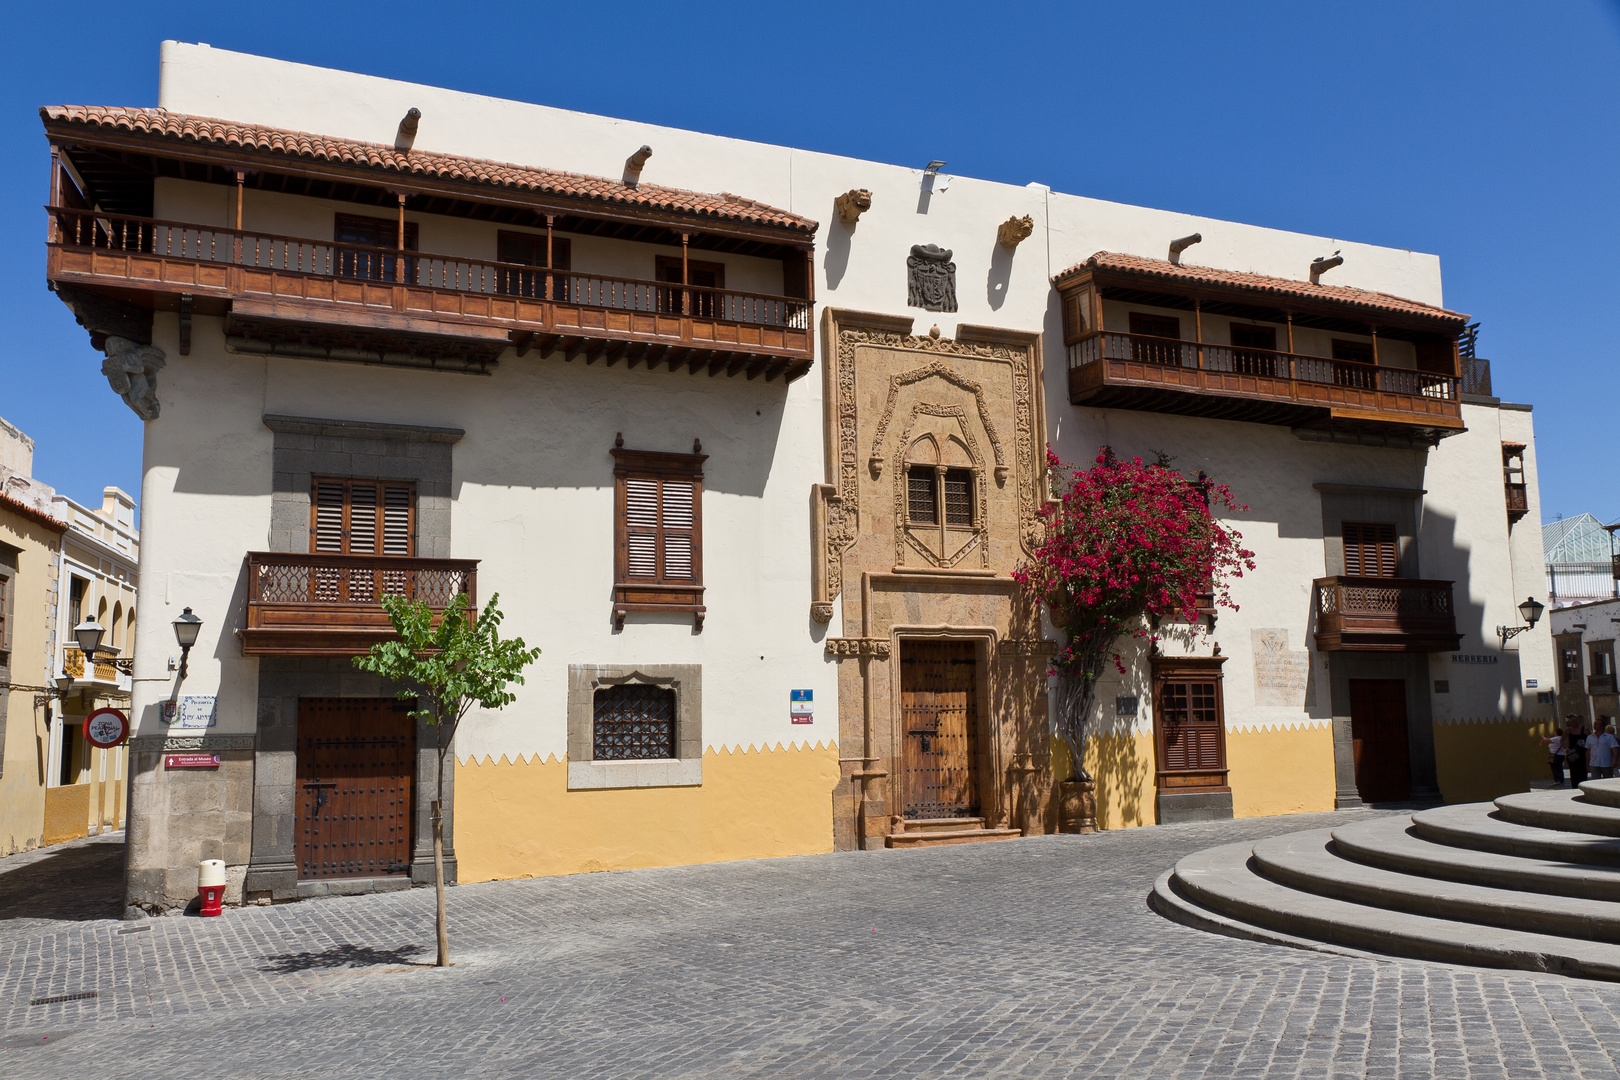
<point>852,204</point>
<point>859,646</point>
<point>1014,231</point>
<point>821,611</point>
<point>131,369</point>
<point>931,278</point>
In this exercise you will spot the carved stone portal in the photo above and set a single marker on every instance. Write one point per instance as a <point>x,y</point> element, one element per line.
<point>131,369</point>
<point>931,278</point>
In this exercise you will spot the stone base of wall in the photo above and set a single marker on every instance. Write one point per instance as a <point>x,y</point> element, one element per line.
<point>1177,808</point>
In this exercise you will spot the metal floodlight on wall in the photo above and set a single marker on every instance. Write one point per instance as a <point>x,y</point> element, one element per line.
<point>932,180</point>
<point>186,628</point>
<point>1530,611</point>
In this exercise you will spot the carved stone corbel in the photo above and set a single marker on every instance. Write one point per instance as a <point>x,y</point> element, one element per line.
<point>131,369</point>
<point>852,204</point>
<point>821,611</point>
<point>1014,231</point>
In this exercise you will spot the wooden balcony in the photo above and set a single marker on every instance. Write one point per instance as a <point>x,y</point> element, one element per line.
<point>1600,684</point>
<point>1134,371</point>
<point>1369,614</point>
<point>313,298</point>
<point>331,605</point>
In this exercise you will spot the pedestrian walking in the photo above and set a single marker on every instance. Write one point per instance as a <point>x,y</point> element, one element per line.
<point>1575,750</point>
<point>1601,748</point>
<point>1555,755</point>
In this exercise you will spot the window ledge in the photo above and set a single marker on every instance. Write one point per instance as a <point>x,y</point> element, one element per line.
<point>657,772</point>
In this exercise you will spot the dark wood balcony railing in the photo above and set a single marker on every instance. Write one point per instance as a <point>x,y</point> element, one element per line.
<point>1600,684</point>
<point>1355,614</point>
<point>1518,500</point>
<point>229,264</point>
<point>1107,362</point>
<point>331,605</point>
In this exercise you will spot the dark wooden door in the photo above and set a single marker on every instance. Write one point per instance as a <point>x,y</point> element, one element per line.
<point>356,768</point>
<point>1378,739</point>
<point>939,711</point>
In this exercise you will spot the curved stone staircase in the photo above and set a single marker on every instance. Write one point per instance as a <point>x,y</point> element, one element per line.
<point>1529,882</point>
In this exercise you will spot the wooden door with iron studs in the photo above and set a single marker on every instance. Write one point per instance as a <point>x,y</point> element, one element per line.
<point>939,706</point>
<point>356,769</point>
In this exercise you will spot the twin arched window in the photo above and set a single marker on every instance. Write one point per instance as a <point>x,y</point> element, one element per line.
<point>939,483</point>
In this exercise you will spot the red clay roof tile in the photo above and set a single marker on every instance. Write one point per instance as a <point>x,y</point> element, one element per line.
<point>166,125</point>
<point>1160,270</point>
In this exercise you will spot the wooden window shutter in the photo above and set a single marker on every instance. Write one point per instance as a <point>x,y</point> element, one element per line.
<point>1190,728</point>
<point>658,526</point>
<point>5,613</point>
<point>1369,549</point>
<point>362,517</point>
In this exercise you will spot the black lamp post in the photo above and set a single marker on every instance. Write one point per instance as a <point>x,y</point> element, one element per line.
<point>186,628</point>
<point>1530,611</point>
<point>89,634</point>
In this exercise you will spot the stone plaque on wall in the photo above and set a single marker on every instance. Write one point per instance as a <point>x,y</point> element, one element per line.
<point>1279,673</point>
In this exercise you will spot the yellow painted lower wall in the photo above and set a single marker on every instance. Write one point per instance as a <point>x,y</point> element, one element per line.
<point>1478,761</point>
<point>1287,771</point>
<point>517,820</point>
<point>67,813</point>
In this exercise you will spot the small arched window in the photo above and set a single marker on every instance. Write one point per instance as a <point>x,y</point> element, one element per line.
<point>115,629</point>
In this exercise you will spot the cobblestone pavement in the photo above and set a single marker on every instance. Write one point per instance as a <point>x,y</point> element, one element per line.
<point>1031,958</point>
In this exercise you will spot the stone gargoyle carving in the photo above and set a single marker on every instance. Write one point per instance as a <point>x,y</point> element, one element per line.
<point>852,204</point>
<point>131,369</point>
<point>931,278</point>
<point>1014,231</point>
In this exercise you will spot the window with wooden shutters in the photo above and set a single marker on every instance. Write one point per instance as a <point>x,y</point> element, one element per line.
<point>922,499</point>
<point>1369,549</point>
<point>958,497</point>
<point>362,517</point>
<point>658,525</point>
<point>5,612</point>
<point>370,232</point>
<point>1189,724</point>
<point>700,276</point>
<point>529,249</point>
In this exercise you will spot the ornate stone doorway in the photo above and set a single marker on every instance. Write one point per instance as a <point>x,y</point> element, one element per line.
<point>939,705</point>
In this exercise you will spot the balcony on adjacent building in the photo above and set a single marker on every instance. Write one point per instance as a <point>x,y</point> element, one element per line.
<point>1600,684</point>
<point>1327,361</point>
<point>331,605</point>
<point>367,294</point>
<point>1380,614</point>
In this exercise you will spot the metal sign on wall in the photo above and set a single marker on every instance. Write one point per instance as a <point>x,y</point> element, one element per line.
<point>802,706</point>
<point>191,761</point>
<point>106,728</point>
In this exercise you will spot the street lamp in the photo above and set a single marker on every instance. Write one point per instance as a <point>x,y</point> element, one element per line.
<point>1530,611</point>
<point>89,634</point>
<point>186,628</point>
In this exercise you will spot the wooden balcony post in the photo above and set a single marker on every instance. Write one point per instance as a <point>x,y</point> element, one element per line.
<point>236,218</point>
<point>52,228</point>
<point>399,231</point>
<point>1198,330</point>
<point>550,262</point>
<point>686,303</point>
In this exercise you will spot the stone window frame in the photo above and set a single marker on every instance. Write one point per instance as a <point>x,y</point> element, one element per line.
<point>684,770</point>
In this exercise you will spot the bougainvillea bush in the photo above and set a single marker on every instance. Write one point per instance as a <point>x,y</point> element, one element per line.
<point>1126,545</point>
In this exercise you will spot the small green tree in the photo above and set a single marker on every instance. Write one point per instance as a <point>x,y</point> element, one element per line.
<point>447,670</point>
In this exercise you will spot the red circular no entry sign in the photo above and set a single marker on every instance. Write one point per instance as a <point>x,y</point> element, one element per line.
<point>106,728</point>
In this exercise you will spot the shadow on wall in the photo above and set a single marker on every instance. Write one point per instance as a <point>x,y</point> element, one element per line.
<point>1122,773</point>
<point>838,238</point>
<point>995,284</point>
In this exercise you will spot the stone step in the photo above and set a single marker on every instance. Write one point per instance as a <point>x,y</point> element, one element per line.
<point>1478,827</point>
<point>1564,810</point>
<point>1220,880</point>
<point>943,824</point>
<point>1167,900</point>
<point>1305,861</point>
<point>936,838</point>
<point>1602,792</point>
<point>1393,843</point>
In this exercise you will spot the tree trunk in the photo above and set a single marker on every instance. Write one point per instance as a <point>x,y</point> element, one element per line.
<point>438,884</point>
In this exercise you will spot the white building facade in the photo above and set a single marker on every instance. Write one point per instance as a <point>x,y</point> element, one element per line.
<point>752,470</point>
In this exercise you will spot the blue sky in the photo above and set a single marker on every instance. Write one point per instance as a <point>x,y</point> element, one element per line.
<point>1483,132</point>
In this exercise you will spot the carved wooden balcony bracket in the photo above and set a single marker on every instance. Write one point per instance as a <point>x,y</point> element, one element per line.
<point>852,204</point>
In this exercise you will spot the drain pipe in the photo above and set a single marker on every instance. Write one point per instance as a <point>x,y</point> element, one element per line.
<point>1322,266</point>
<point>1178,246</point>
